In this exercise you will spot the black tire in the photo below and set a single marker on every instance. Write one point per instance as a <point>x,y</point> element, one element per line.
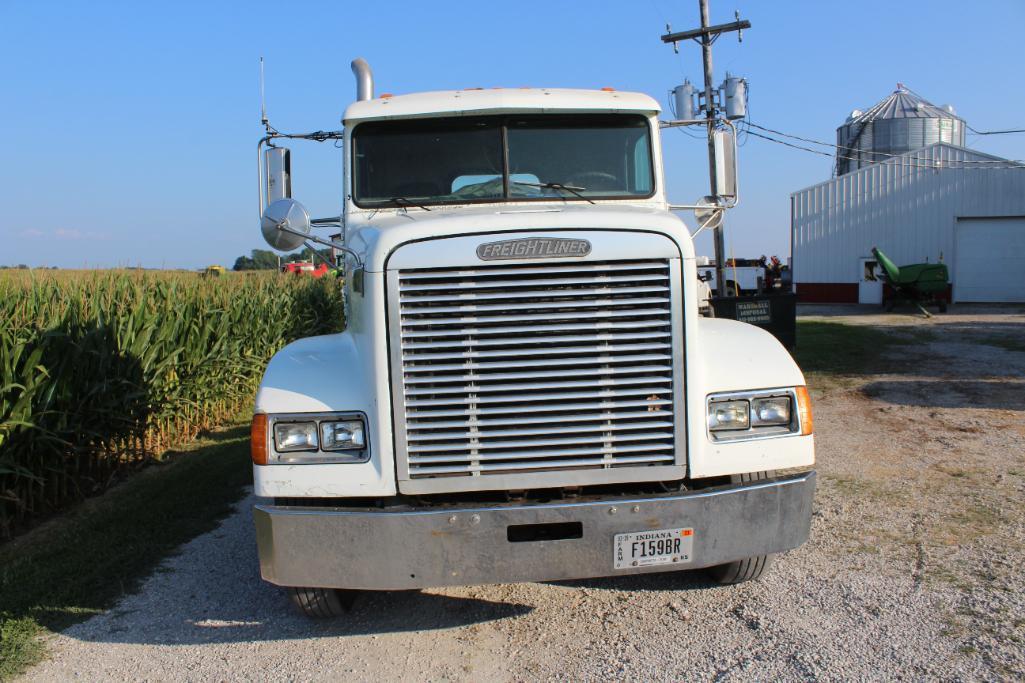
<point>321,603</point>
<point>749,568</point>
<point>943,306</point>
<point>739,571</point>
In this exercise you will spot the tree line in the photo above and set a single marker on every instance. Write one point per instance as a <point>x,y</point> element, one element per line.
<point>264,259</point>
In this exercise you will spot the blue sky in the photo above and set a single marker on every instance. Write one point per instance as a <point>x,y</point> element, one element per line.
<point>131,127</point>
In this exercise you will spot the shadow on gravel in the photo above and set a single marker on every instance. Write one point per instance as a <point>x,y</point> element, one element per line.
<point>275,620</point>
<point>395,612</point>
<point>662,581</point>
<point>949,393</point>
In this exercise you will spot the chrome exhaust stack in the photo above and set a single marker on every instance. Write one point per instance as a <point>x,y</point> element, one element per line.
<point>364,79</point>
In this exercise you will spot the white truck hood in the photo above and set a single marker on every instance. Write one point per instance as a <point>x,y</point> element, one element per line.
<point>374,238</point>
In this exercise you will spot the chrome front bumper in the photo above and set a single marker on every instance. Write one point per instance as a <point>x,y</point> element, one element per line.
<point>419,548</point>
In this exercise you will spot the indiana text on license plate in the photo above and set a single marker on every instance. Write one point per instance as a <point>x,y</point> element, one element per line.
<point>648,548</point>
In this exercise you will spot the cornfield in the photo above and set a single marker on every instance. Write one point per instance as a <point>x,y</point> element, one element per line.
<point>100,371</point>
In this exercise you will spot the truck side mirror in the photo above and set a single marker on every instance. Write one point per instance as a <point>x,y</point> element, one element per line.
<point>285,224</point>
<point>725,164</point>
<point>277,174</point>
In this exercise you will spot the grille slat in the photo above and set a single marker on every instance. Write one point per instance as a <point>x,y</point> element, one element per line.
<point>483,388</point>
<point>466,284</point>
<point>499,271</point>
<point>471,342</point>
<point>542,363</point>
<point>536,317</point>
<point>509,353</point>
<point>527,442</point>
<point>603,417</point>
<point>537,408</point>
<point>543,374</point>
<point>510,367</point>
<point>538,305</point>
<point>552,293</point>
<point>530,431</point>
<point>602,392</point>
<point>538,454</point>
<point>513,331</point>
<point>554,464</point>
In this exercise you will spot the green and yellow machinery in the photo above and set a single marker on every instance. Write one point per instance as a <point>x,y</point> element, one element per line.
<point>921,284</point>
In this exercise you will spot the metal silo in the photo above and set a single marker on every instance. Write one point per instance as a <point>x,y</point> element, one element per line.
<point>903,122</point>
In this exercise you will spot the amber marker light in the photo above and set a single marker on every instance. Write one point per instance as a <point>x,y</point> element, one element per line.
<point>804,410</point>
<point>258,439</point>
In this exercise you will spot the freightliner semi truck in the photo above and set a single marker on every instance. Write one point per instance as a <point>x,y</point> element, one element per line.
<point>525,389</point>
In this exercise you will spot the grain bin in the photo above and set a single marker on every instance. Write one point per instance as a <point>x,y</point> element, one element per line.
<point>903,122</point>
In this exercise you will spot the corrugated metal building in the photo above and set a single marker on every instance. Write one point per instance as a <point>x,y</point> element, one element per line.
<point>941,202</point>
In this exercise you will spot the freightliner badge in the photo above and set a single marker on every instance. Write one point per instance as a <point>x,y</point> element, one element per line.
<point>533,247</point>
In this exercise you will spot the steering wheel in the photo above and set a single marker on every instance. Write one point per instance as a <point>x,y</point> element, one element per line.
<point>586,179</point>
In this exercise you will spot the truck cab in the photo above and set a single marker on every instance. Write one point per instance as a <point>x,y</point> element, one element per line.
<point>524,389</point>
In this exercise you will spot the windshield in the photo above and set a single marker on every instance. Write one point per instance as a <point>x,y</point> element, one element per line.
<point>462,160</point>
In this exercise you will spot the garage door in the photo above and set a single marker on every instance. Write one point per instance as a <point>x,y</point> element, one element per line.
<point>990,259</point>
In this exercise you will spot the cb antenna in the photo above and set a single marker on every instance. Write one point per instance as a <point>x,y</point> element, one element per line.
<point>263,103</point>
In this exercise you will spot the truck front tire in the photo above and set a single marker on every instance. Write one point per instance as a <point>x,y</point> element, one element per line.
<point>749,568</point>
<point>321,603</point>
<point>739,571</point>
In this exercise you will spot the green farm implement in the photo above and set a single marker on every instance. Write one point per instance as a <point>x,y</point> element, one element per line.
<point>920,284</point>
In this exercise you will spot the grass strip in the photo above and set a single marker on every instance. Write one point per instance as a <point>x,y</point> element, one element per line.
<point>80,563</point>
<point>836,349</point>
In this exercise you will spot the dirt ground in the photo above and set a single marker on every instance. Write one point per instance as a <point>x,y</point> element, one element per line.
<point>913,570</point>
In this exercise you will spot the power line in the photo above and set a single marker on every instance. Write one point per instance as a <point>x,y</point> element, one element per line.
<point>886,154</point>
<point>788,135</point>
<point>911,162</point>
<point>994,132</point>
<point>788,144</point>
<point>838,149</point>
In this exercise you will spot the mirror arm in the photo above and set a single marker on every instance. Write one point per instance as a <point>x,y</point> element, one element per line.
<point>318,136</point>
<point>327,222</point>
<point>318,255</point>
<point>327,243</point>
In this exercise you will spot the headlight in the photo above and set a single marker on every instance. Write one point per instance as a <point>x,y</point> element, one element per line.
<point>295,436</point>
<point>344,435</point>
<point>740,415</point>
<point>770,411</point>
<point>728,415</point>
<point>310,439</point>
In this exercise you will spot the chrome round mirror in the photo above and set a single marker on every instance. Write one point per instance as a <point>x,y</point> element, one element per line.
<point>285,224</point>
<point>710,214</point>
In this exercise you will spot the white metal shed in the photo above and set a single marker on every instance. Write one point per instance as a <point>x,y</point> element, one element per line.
<point>938,203</point>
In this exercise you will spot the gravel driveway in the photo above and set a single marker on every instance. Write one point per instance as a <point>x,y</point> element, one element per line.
<point>913,570</point>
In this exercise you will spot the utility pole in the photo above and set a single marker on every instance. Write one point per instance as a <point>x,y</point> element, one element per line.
<point>706,35</point>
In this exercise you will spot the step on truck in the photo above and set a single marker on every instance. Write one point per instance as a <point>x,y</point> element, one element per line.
<point>525,389</point>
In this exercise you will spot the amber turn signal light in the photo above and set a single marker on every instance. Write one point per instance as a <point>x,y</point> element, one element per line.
<point>258,439</point>
<point>804,410</point>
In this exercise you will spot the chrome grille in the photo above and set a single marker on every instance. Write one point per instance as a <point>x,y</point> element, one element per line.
<point>526,368</point>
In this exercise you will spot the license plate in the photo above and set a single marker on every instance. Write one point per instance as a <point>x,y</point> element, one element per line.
<point>650,548</point>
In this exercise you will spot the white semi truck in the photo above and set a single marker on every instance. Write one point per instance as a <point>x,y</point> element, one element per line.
<point>525,390</point>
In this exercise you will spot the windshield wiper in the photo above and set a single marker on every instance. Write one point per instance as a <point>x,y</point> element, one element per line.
<point>403,201</point>
<point>572,189</point>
